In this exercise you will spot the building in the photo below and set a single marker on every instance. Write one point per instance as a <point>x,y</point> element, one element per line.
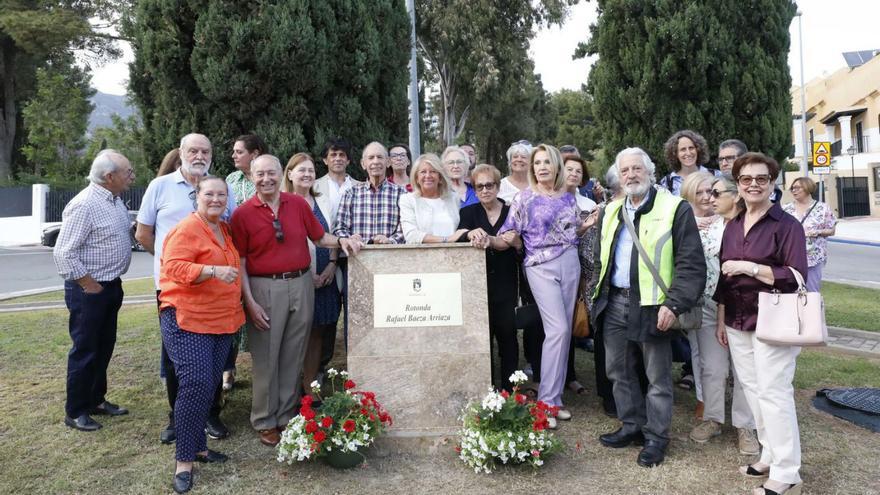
<point>844,109</point>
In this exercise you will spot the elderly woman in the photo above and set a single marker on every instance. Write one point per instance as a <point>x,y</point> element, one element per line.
<point>200,310</point>
<point>518,163</point>
<point>455,163</point>
<point>170,163</point>
<point>819,223</point>
<point>482,221</point>
<point>401,163</point>
<point>430,214</point>
<point>725,198</point>
<point>299,179</point>
<point>544,221</point>
<point>686,152</point>
<point>758,250</point>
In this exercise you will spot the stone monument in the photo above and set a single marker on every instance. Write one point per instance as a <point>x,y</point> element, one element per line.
<point>419,332</point>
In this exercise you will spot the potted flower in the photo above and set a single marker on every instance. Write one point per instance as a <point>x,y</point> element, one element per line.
<point>506,428</point>
<point>344,423</point>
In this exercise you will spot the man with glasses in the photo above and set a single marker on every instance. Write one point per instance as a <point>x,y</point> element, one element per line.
<point>270,232</point>
<point>471,152</point>
<point>728,151</point>
<point>92,252</point>
<point>166,202</point>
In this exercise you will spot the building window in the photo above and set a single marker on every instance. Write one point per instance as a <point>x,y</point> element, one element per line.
<point>811,141</point>
<point>860,139</point>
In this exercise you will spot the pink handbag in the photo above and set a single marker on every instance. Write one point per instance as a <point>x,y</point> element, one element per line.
<point>796,319</point>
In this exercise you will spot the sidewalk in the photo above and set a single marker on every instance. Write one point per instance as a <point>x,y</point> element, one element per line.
<point>859,230</point>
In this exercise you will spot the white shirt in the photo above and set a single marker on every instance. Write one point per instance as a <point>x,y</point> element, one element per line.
<point>337,190</point>
<point>442,225</point>
<point>507,190</point>
<point>623,250</point>
<point>584,203</point>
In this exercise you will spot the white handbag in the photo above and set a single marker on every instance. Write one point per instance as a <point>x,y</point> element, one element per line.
<point>796,319</point>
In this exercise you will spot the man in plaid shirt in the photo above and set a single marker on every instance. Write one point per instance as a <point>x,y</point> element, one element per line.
<point>369,210</point>
<point>92,252</point>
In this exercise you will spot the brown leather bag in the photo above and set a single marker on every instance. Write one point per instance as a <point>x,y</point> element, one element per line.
<point>580,321</point>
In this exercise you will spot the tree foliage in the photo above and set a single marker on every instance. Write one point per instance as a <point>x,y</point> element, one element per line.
<point>295,73</point>
<point>474,47</point>
<point>575,123</point>
<point>125,136</point>
<point>718,67</point>
<point>56,119</point>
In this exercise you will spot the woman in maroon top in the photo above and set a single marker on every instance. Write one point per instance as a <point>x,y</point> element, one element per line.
<point>757,249</point>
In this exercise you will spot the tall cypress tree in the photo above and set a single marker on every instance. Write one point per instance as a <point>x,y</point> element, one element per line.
<point>718,67</point>
<point>293,72</point>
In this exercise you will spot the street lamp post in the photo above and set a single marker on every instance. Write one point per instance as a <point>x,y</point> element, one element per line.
<point>415,144</point>
<point>804,170</point>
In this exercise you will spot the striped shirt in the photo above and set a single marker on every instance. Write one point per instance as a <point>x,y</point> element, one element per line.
<point>95,236</point>
<point>369,211</point>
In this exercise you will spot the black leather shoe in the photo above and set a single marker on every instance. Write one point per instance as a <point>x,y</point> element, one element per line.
<point>109,409</point>
<point>169,434</point>
<point>83,422</point>
<point>211,457</point>
<point>652,453</point>
<point>620,439</point>
<point>183,481</point>
<point>216,429</point>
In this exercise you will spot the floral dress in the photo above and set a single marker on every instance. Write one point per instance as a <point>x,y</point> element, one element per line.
<point>710,237</point>
<point>819,217</point>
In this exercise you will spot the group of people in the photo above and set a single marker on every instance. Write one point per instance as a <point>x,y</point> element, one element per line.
<point>269,244</point>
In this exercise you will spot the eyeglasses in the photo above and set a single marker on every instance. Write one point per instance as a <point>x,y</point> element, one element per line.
<point>717,194</point>
<point>279,234</point>
<point>454,162</point>
<point>746,180</point>
<point>795,188</point>
<point>397,155</point>
<point>728,158</point>
<point>488,186</point>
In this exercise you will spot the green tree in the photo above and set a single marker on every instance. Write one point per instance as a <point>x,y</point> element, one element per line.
<point>32,32</point>
<point>127,137</point>
<point>472,47</point>
<point>575,123</point>
<point>56,119</point>
<point>295,73</point>
<point>718,67</point>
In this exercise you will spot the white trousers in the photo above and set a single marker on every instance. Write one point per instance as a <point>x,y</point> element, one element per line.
<point>714,368</point>
<point>766,372</point>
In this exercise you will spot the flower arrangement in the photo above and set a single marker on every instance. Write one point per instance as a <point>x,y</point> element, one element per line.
<point>507,429</point>
<point>345,421</point>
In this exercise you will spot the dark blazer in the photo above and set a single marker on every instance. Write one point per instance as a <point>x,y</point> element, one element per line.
<point>501,266</point>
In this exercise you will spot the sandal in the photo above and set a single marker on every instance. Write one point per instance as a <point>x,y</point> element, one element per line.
<point>791,490</point>
<point>576,387</point>
<point>752,472</point>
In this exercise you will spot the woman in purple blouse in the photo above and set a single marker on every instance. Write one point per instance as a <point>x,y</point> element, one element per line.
<point>544,220</point>
<point>757,249</point>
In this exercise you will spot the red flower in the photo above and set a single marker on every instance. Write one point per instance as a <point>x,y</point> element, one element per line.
<point>539,425</point>
<point>364,412</point>
<point>372,417</point>
<point>384,417</point>
<point>319,436</point>
<point>505,394</point>
<point>348,426</point>
<point>326,421</point>
<point>458,450</point>
<point>536,453</point>
<point>365,402</point>
<point>311,427</point>
<point>348,385</point>
<point>307,401</point>
<point>521,399</point>
<point>307,414</point>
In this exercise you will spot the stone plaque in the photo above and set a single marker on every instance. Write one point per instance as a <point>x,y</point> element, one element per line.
<point>422,370</point>
<point>420,300</point>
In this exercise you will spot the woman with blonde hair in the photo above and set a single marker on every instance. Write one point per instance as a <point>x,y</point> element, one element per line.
<point>819,223</point>
<point>456,164</point>
<point>430,213</point>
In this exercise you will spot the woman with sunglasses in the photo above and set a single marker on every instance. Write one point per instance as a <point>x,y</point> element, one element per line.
<point>819,223</point>
<point>456,163</point>
<point>199,311</point>
<point>430,214</point>
<point>759,248</point>
<point>481,222</point>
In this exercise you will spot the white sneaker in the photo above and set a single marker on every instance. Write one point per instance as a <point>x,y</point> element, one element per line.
<point>551,423</point>
<point>563,414</point>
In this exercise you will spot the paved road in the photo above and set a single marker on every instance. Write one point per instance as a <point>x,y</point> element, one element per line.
<point>855,264</point>
<point>28,268</point>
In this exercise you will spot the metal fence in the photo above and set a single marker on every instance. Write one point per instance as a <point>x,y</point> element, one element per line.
<point>58,199</point>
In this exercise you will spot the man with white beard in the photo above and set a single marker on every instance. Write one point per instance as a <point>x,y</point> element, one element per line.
<point>167,201</point>
<point>634,310</point>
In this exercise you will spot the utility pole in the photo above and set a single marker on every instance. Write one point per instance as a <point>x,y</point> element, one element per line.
<point>804,169</point>
<point>415,144</point>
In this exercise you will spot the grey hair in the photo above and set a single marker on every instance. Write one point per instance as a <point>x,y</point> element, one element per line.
<point>646,161</point>
<point>271,158</point>
<point>518,149</point>
<point>612,179</point>
<point>184,139</point>
<point>455,149</point>
<point>377,143</point>
<point>102,165</point>
<point>741,148</point>
<point>726,180</point>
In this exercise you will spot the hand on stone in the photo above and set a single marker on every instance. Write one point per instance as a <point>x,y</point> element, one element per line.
<point>381,239</point>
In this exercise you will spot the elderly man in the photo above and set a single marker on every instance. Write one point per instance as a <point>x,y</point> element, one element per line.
<point>92,252</point>
<point>167,201</point>
<point>270,232</point>
<point>728,151</point>
<point>636,311</point>
<point>369,209</point>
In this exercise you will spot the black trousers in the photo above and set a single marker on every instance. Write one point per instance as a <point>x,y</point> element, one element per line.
<point>92,327</point>
<point>172,384</point>
<point>502,327</point>
<point>328,338</point>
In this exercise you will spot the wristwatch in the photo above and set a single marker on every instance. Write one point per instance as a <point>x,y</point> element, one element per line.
<point>755,270</point>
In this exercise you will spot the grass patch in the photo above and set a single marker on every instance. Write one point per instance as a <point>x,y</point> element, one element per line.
<point>40,455</point>
<point>135,287</point>
<point>849,306</point>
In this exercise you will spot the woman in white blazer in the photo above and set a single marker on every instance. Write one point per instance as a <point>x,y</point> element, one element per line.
<point>430,213</point>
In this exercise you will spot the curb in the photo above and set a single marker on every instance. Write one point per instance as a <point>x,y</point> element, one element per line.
<point>43,290</point>
<point>857,242</point>
<point>852,332</point>
<point>48,305</point>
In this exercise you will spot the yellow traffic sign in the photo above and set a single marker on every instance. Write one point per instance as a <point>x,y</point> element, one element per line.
<point>821,154</point>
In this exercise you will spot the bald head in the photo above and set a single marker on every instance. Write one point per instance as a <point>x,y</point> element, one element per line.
<point>266,161</point>
<point>374,160</point>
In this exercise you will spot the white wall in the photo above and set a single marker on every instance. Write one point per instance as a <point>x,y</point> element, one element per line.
<point>20,231</point>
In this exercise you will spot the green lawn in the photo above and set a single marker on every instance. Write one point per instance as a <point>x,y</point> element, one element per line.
<point>38,454</point>
<point>849,306</point>
<point>134,287</point>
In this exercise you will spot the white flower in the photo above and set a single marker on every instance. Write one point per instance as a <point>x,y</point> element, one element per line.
<point>518,377</point>
<point>316,387</point>
<point>493,402</point>
<point>343,374</point>
<point>331,373</point>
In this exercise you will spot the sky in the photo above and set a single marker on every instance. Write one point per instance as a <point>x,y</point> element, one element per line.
<point>850,25</point>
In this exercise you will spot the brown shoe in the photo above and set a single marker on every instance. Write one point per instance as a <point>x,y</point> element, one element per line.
<point>698,412</point>
<point>270,437</point>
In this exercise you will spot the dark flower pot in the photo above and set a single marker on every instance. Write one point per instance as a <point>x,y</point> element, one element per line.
<point>344,460</point>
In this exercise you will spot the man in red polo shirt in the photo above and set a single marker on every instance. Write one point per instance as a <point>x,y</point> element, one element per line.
<point>270,232</point>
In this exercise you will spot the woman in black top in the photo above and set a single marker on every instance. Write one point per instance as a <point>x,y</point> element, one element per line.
<point>482,220</point>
